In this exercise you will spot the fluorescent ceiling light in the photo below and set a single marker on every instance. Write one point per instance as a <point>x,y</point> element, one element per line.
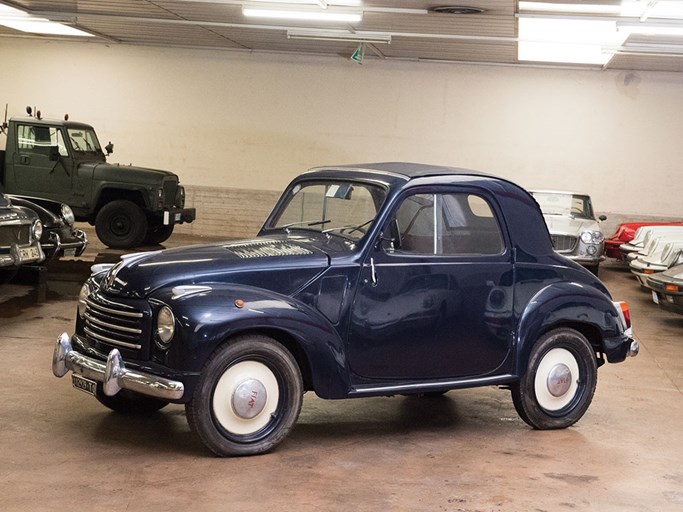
<point>574,40</point>
<point>339,35</point>
<point>321,3</point>
<point>19,20</point>
<point>302,12</point>
<point>569,8</point>
<point>650,29</point>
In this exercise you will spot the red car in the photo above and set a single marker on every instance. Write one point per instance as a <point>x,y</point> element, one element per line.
<point>625,233</point>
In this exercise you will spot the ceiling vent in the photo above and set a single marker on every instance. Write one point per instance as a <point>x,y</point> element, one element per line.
<point>457,9</point>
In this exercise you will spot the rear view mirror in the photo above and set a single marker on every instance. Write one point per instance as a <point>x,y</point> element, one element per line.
<point>109,148</point>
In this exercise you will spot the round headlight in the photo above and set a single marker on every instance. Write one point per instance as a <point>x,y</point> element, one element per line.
<point>37,230</point>
<point>68,214</point>
<point>598,237</point>
<point>82,296</point>
<point>586,237</point>
<point>165,325</point>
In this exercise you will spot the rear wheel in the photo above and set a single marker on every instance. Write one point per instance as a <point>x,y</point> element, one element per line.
<point>127,402</point>
<point>248,397</point>
<point>121,224</point>
<point>559,382</point>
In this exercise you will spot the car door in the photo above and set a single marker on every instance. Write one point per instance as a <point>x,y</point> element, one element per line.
<point>35,171</point>
<point>437,301</point>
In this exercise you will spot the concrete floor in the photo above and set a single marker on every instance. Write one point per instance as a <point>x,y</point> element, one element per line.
<point>465,451</point>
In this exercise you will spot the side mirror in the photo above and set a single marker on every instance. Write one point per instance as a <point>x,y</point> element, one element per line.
<point>109,148</point>
<point>54,153</point>
<point>602,217</point>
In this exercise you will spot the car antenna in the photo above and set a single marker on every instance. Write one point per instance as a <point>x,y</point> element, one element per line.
<point>3,127</point>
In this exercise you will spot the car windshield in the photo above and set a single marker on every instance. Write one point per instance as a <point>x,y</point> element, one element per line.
<point>556,203</point>
<point>337,207</point>
<point>84,140</point>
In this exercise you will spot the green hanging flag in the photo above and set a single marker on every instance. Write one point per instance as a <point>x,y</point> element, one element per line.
<point>358,55</point>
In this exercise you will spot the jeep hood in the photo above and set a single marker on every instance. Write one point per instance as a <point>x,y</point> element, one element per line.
<point>561,225</point>
<point>123,173</point>
<point>280,264</point>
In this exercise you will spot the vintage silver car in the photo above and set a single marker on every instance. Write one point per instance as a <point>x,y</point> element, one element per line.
<point>573,228</point>
<point>20,232</point>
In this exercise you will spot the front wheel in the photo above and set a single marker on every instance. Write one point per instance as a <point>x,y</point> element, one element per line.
<point>121,224</point>
<point>248,397</point>
<point>559,383</point>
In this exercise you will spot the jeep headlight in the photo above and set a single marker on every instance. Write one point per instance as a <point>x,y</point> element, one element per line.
<point>180,197</point>
<point>37,230</point>
<point>82,298</point>
<point>68,215</point>
<point>165,326</point>
<point>586,237</point>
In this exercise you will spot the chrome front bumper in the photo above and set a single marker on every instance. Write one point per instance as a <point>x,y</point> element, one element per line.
<point>113,375</point>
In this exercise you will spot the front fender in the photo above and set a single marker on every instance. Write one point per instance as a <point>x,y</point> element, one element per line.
<point>566,304</point>
<point>206,319</point>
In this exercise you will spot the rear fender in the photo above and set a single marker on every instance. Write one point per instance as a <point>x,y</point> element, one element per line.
<point>209,318</point>
<point>566,305</point>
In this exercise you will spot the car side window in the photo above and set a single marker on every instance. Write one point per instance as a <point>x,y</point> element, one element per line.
<point>447,224</point>
<point>38,139</point>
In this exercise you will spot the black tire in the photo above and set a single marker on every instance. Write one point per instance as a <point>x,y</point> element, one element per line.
<point>560,350</point>
<point>127,402</point>
<point>259,376</point>
<point>158,234</point>
<point>121,225</point>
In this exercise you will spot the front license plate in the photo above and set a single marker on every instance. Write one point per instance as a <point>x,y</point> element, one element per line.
<point>69,252</point>
<point>83,384</point>
<point>178,216</point>
<point>28,253</point>
<point>655,299</point>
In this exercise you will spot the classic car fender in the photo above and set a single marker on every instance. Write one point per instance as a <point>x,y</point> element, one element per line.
<point>570,304</point>
<point>214,313</point>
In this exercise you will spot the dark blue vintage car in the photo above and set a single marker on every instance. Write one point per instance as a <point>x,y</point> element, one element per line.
<point>368,280</point>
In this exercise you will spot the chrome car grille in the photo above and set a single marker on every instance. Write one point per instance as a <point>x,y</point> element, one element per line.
<point>112,323</point>
<point>15,234</point>
<point>564,243</point>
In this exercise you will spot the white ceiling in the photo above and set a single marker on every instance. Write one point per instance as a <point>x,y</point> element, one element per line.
<point>416,32</point>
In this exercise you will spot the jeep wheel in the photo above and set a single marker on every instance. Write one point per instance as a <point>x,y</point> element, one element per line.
<point>158,234</point>
<point>559,382</point>
<point>248,397</point>
<point>127,402</point>
<point>121,225</point>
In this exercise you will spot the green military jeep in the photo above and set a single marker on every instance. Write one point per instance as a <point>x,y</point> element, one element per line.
<point>63,160</point>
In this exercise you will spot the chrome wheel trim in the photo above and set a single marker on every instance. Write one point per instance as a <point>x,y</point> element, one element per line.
<point>230,400</point>
<point>553,394</point>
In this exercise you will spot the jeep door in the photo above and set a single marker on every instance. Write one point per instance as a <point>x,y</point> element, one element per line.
<point>37,168</point>
<point>437,301</point>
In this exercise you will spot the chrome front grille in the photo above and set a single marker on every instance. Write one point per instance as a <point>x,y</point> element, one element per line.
<point>19,234</point>
<point>113,323</point>
<point>564,243</point>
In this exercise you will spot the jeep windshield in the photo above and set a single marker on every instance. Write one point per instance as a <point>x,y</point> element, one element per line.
<point>557,203</point>
<point>84,140</point>
<point>336,207</point>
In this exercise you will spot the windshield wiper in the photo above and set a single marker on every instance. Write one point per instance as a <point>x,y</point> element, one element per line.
<point>352,228</point>
<point>307,223</point>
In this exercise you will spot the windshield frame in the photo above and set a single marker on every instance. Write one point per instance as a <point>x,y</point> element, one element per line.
<point>378,191</point>
<point>76,148</point>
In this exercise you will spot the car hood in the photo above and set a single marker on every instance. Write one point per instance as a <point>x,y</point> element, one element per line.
<point>124,173</point>
<point>281,264</point>
<point>558,224</point>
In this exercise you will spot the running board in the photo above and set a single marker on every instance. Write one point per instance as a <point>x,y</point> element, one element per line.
<point>417,387</point>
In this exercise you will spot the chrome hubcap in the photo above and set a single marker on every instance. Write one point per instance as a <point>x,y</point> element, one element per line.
<point>559,380</point>
<point>249,399</point>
